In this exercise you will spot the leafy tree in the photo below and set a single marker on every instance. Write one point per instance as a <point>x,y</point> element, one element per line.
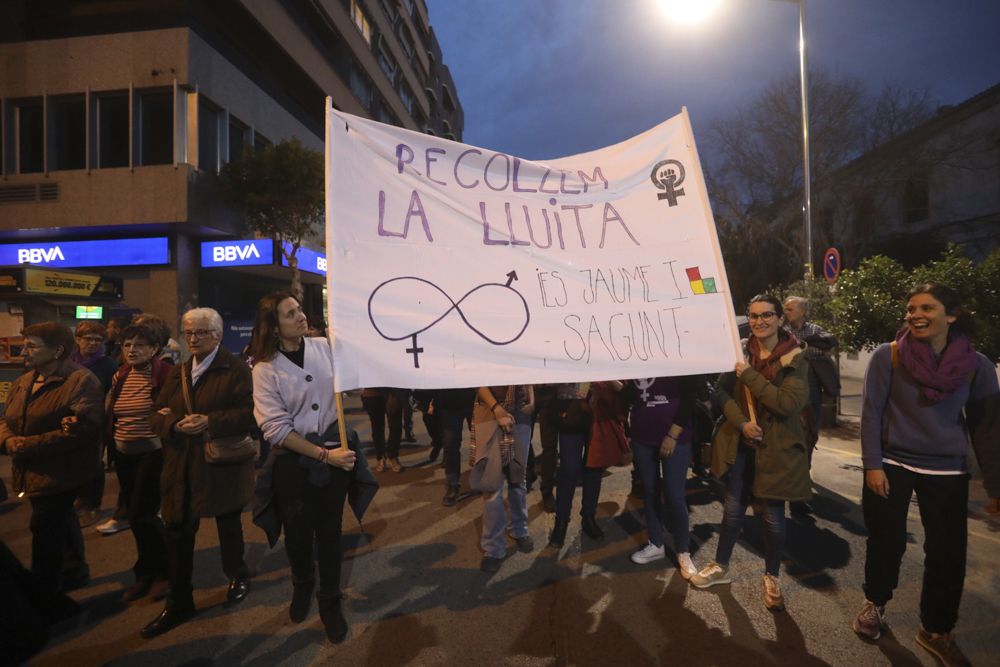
<point>280,191</point>
<point>866,307</point>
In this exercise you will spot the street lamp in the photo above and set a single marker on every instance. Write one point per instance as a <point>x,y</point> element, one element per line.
<point>692,11</point>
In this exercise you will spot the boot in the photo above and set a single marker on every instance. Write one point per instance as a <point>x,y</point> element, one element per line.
<point>591,527</point>
<point>558,535</point>
<point>333,619</point>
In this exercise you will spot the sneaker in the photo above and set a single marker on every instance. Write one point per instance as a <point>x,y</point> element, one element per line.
<point>648,554</point>
<point>451,497</point>
<point>773,599</point>
<point>685,566</point>
<point>525,543</point>
<point>710,575</point>
<point>379,465</point>
<point>944,647</point>
<point>112,526</point>
<point>490,565</point>
<point>868,622</point>
<point>395,465</point>
<point>88,516</point>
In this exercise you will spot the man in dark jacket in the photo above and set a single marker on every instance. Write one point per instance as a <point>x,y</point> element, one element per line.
<point>51,429</point>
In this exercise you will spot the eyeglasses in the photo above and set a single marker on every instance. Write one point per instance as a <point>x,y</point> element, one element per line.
<point>197,333</point>
<point>767,317</point>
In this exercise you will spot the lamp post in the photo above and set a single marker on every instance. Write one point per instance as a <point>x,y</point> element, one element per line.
<point>689,11</point>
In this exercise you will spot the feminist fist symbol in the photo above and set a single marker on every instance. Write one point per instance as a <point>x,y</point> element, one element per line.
<point>405,294</point>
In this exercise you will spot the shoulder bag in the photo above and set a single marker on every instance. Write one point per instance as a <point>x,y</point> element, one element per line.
<point>226,449</point>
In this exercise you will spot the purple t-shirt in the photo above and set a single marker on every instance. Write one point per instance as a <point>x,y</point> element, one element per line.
<point>656,409</point>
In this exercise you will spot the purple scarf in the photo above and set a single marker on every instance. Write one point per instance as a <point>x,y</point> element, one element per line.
<point>937,377</point>
<point>87,361</point>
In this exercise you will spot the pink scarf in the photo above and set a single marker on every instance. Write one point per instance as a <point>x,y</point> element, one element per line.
<point>937,377</point>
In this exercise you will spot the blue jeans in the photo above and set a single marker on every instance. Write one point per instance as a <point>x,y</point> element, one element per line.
<point>451,424</point>
<point>771,512</point>
<point>572,451</point>
<point>670,475</point>
<point>495,520</point>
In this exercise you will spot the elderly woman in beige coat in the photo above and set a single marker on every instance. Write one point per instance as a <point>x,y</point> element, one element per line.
<point>221,396</point>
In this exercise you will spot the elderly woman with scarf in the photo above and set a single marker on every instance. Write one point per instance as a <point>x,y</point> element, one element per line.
<point>760,447</point>
<point>914,439</point>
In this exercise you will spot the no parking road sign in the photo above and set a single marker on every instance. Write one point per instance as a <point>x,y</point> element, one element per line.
<point>831,265</point>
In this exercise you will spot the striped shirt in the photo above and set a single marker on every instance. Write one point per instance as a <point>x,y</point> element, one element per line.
<point>134,405</point>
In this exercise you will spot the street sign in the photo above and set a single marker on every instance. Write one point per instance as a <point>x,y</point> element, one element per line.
<point>831,265</point>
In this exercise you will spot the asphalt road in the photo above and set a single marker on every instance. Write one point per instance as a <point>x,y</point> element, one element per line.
<point>415,594</point>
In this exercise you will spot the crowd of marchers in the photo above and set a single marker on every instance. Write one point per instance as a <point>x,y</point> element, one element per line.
<point>219,431</point>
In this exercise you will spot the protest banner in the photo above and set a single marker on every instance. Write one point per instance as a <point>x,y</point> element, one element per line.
<point>456,266</point>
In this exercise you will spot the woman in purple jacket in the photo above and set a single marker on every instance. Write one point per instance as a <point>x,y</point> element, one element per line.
<point>914,439</point>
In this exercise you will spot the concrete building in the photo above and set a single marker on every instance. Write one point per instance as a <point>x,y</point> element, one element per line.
<point>116,117</point>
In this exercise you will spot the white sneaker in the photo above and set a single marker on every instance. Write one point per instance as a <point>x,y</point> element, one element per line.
<point>112,526</point>
<point>685,566</point>
<point>710,575</point>
<point>648,554</point>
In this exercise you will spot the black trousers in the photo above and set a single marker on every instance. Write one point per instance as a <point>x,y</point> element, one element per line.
<point>139,475</point>
<point>943,502</point>
<point>92,493</point>
<point>549,410</point>
<point>379,409</point>
<point>311,513</point>
<point>180,538</point>
<point>56,541</point>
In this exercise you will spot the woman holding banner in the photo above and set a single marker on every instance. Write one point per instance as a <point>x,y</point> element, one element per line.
<point>295,407</point>
<point>760,448</point>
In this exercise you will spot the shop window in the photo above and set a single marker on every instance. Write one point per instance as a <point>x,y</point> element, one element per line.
<point>361,20</point>
<point>156,127</point>
<point>361,87</point>
<point>30,136</point>
<point>208,136</point>
<point>239,134</point>
<point>68,132</point>
<point>112,130</point>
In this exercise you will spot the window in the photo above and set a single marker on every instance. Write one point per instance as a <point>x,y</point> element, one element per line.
<point>361,20</point>
<point>156,127</point>
<point>384,115</point>
<point>30,136</point>
<point>405,41</point>
<point>361,87</point>
<point>387,62</point>
<point>112,130</point>
<point>260,142</point>
<point>408,5</point>
<point>447,99</point>
<point>406,96</point>
<point>68,132</point>
<point>916,197</point>
<point>238,138</point>
<point>208,136</point>
<point>389,9</point>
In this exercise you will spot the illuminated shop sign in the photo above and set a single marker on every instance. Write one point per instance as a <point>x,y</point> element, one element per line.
<point>109,252</point>
<point>309,260</point>
<point>245,252</point>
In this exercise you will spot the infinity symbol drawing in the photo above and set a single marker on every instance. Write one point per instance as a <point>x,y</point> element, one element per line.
<point>408,293</point>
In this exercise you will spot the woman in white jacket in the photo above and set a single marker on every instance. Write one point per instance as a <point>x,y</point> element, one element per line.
<point>295,409</point>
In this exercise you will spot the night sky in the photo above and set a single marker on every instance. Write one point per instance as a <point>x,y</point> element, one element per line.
<point>550,78</point>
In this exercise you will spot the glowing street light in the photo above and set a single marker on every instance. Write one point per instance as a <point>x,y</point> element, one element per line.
<point>689,12</point>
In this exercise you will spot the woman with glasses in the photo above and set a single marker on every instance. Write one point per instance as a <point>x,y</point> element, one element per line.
<point>309,473</point>
<point>208,397</point>
<point>760,448</point>
<point>923,393</point>
<point>139,455</point>
<point>89,353</point>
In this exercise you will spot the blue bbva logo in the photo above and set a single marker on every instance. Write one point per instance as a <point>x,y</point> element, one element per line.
<point>232,253</point>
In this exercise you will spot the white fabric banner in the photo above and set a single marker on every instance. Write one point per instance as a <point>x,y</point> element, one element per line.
<point>457,266</point>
